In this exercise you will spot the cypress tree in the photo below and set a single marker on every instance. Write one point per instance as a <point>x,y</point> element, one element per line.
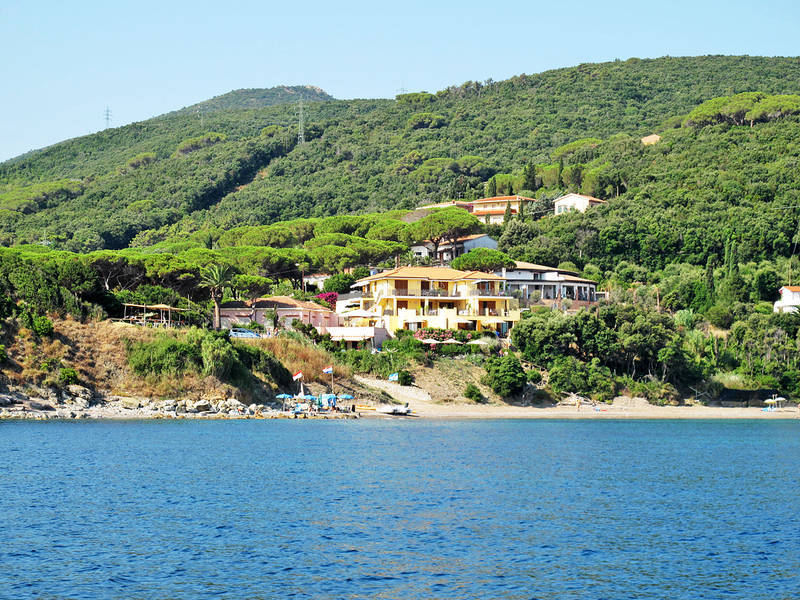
<point>710,277</point>
<point>507,216</point>
<point>492,189</point>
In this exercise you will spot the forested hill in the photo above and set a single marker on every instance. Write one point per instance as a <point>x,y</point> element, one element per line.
<point>258,98</point>
<point>235,166</point>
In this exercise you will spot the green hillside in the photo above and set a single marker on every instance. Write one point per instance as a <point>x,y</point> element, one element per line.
<point>258,98</point>
<point>244,167</point>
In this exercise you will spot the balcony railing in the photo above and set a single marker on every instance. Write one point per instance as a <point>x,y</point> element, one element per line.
<point>444,293</point>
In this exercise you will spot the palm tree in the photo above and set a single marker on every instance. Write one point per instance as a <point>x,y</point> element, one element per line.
<point>215,278</point>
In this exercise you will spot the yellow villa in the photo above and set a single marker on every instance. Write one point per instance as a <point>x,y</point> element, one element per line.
<point>415,297</point>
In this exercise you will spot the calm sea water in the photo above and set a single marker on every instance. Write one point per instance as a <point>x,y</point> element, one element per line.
<point>400,509</point>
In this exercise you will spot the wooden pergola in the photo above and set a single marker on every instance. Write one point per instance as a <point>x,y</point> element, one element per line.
<point>158,315</point>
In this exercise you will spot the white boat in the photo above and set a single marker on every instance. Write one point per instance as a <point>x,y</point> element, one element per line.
<point>403,411</point>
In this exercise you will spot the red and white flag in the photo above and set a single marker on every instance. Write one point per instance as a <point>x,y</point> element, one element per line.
<point>298,375</point>
<point>328,370</point>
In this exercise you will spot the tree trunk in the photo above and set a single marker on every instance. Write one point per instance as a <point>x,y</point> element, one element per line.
<point>215,299</point>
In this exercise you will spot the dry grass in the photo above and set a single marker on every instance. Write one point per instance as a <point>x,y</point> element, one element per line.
<point>97,353</point>
<point>300,356</point>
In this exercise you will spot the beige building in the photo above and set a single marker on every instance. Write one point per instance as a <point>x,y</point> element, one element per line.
<point>493,210</point>
<point>578,202</point>
<point>416,297</point>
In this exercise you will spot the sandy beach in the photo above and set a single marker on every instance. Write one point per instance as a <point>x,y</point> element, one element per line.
<point>422,405</point>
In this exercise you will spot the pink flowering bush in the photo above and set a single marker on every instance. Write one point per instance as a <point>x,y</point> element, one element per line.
<point>329,298</point>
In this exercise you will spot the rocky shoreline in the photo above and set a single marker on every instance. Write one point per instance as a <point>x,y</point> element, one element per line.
<point>78,402</point>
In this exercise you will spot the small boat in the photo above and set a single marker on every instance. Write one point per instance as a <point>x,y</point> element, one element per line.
<point>402,411</point>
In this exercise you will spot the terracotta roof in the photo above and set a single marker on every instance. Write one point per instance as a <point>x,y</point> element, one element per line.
<point>591,199</point>
<point>432,274</point>
<point>493,211</point>
<point>791,288</point>
<point>286,302</point>
<point>501,199</point>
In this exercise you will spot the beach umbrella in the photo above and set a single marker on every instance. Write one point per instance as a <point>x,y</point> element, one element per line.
<point>477,343</point>
<point>283,396</point>
<point>328,396</point>
<point>346,397</point>
<point>430,341</point>
<point>770,401</point>
<point>451,341</point>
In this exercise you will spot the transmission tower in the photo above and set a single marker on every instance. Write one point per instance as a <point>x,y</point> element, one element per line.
<point>301,129</point>
<point>107,116</point>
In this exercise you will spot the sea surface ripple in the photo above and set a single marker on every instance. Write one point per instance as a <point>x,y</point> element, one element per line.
<point>400,509</point>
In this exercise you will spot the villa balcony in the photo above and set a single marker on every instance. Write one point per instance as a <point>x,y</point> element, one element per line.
<point>403,292</point>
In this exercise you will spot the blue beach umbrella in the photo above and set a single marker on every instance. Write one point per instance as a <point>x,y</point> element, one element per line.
<point>345,397</point>
<point>328,397</point>
<point>283,396</point>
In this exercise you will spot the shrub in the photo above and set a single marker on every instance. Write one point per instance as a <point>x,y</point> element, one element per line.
<point>404,377</point>
<point>720,316</point>
<point>42,326</point>
<point>257,359</point>
<point>329,298</point>
<point>219,357</point>
<point>505,375</point>
<point>568,374</point>
<point>339,283</point>
<point>3,353</point>
<point>164,355</point>
<point>254,326</point>
<point>68,376</point>
<point>471,392</point>
<point>534,376</point>
<point>426,121</point>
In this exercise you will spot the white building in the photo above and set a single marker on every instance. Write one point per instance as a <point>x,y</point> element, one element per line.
<point>463,245</point>
<point>579,202</point>
<point>790,299</point>
<point>547,285</point>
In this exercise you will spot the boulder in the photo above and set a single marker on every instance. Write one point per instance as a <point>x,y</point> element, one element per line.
<point>6,400</point>
<point>40,404</point>
<point>202,406</point>
<point>78,391</point>
<point>130,403</point>
<point>80,403</point>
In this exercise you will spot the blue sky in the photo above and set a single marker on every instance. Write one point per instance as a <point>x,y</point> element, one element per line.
<point>64,62</point>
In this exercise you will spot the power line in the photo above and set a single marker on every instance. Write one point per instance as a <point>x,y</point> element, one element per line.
<point>301,130</point>
<point>107,116</point>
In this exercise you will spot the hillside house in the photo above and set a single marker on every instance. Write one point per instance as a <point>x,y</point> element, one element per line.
<point>489,210</point>
<point>416,297</point>
<point>447,252</point>
<point>540,284</point>
<point>790,300</point>
<point>240,313</point>
<point>493,210</point>
<point>578,202</point>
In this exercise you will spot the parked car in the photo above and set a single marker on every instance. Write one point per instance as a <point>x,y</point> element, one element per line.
<point>239,332</point>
